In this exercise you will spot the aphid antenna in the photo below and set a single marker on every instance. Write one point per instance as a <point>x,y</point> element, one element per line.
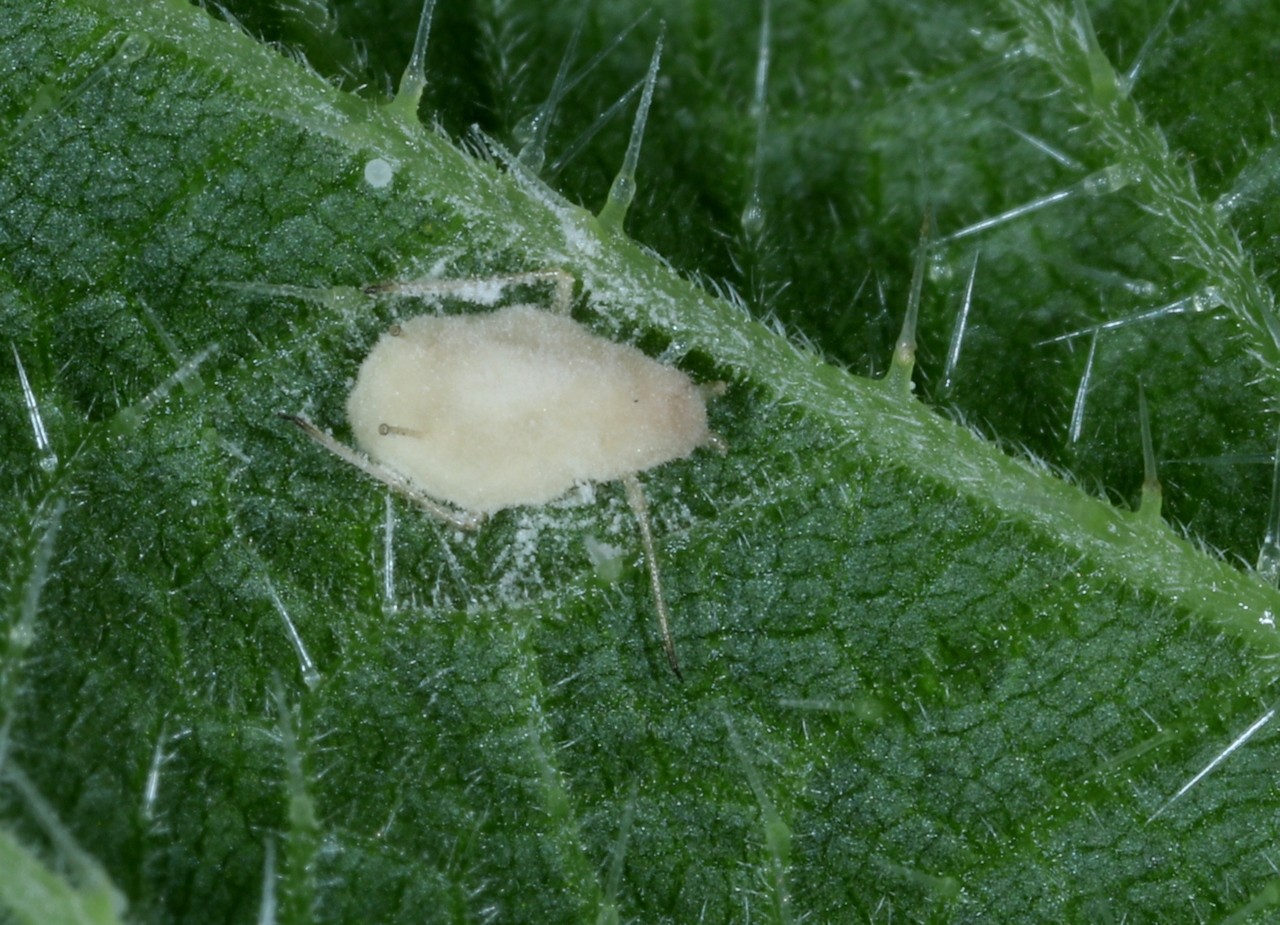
<point>462,520</point>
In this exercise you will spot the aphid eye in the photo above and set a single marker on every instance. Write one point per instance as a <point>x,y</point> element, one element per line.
<point>385,429</point>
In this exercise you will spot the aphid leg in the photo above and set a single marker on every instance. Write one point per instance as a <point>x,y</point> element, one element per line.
<point>562,281</point>
<point>462,520</point>
<point>482,290</point>
<point>640,506</point>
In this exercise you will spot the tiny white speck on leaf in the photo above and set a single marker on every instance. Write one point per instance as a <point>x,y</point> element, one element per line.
<point>378,173</point>
<point>605,558</point>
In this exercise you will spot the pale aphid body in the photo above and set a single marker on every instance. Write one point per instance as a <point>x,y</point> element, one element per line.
<point>513,407</point>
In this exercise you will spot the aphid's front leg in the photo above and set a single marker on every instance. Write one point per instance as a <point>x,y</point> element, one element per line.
<point>482,290</point>
<point>463,520</point>
<point>640,506</point>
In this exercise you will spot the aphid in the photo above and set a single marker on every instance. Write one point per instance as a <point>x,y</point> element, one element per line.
<point>470,414</point>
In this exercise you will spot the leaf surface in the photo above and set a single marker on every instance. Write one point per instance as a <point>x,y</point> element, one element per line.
<point>929,677</point>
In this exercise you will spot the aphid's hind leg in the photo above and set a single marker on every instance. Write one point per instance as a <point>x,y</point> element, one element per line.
<point>483,290</point>
<point>463,520</point>
<point>640,506</point>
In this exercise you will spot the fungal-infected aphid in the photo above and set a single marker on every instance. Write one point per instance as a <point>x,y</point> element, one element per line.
<point>470,414</point>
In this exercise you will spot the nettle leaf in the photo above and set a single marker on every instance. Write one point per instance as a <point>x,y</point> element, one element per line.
<point>944,659</point>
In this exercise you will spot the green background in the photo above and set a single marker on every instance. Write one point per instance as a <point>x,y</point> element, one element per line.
<point>942,665</point>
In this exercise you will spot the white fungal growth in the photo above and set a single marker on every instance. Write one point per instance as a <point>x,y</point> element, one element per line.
<point>513,407</point>
<point>605,558</point>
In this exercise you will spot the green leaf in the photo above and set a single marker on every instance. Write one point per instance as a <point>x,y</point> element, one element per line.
<point>936,668</point>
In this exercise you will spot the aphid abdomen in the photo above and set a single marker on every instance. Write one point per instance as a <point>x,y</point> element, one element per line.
<point>512,407</point>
